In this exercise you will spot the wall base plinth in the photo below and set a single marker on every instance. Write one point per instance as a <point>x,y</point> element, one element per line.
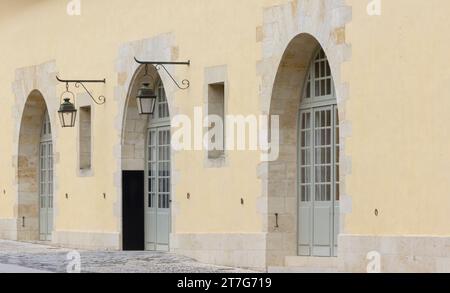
<point>87,240</point>
<point>246,250</point>
<point>398,254</point>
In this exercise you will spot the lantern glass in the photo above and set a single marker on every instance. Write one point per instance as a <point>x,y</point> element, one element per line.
<point>67,119</point>
<point>146,106</point>
<point>146,100</point>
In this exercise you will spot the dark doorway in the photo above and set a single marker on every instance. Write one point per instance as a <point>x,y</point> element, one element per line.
<point>133,210</point>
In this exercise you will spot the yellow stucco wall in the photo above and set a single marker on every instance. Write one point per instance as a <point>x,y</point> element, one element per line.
<point>209,33</point>
<point>399,107</point>
<point>398,76</point>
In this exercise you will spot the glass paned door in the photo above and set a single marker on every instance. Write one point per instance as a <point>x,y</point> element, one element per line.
<point>318,181</point>
<point>158,199</point>
<point>46,190</point>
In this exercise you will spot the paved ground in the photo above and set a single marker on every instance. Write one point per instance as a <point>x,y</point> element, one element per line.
<point>26,257</point>
<point>12,269</point>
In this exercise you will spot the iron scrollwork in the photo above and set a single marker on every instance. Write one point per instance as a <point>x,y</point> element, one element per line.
<point>99,101</point>
<point>185,83</point>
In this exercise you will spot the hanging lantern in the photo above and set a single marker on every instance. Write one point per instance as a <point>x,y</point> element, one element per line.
<point>146,100</point>
<point>67,111</point>
<point>67,114</point>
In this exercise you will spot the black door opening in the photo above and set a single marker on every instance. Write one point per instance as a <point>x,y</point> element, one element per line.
<point>133,228</point>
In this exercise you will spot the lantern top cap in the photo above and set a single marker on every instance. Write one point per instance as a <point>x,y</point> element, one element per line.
<point>67,106</point>
<point>146,92</point>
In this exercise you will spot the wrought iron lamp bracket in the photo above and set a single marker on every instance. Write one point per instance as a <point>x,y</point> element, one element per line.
<point>99,101</point>
<point>185,83</point>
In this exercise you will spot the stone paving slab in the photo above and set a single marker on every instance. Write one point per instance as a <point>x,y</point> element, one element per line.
<point>12,269</point>
<point>42,257</point>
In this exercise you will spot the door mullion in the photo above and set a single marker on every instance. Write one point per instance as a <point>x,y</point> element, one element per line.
<point>313,177</point>
<point>46,188</point>
<point>333,177</point>
<point>147,186</point>
<point>44,171</point>
<point>47,175</point>
<point>157,142</point>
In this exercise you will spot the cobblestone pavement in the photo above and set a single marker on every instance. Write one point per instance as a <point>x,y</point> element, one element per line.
<point>54,259</point>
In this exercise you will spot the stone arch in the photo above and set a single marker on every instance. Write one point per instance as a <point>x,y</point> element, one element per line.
<point>28,166</point>
<point>135,141</point>
<point>291,33</point>
<point>134,125</point>
<point>161,47</point>
<point>27,80</point>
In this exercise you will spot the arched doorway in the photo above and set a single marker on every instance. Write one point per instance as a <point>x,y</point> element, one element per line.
<point>318,163</point>
<point>296,224</point>
<point>146,170</point>
<point>35,171</point>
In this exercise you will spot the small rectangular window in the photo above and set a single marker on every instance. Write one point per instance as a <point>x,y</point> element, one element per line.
<point>85,147</point>
<point>216,109</point>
